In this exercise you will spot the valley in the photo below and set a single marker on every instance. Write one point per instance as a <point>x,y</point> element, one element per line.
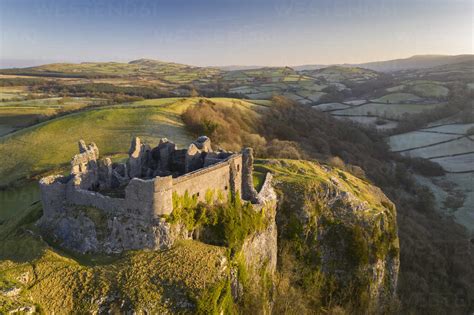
<point>335,128</point>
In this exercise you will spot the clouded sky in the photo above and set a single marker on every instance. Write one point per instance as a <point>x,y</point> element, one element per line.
<point>232,32</point>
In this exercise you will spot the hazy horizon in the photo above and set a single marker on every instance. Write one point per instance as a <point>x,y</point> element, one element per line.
<point>230,32</point>
<point>21,63</point>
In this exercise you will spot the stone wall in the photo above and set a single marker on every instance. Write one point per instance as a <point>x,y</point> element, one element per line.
<point>137,219</point>
<point>224,177</point>
<point>218,177</point>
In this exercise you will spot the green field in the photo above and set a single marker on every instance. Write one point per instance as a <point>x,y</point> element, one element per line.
<point>416,139</point>
<point>395,98</point>
<point>55,141</point>
<point>330,106</point>
<point>15,115</point>
<point>8,93</point>
<point>355,102</point>
<point>111,128</point>
<point>430,90</point>
<point>458,146</point>
<point>391,111</point>
<point>461,163</point>
<point>340,74</point>
<point>441,143</point>
<point>397,88</point>
<point>451,128</point>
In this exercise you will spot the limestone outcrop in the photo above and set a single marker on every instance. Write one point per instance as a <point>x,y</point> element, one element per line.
<point>344,229</point>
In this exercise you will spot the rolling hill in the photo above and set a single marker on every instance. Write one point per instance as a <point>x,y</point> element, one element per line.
<point>415,62</point>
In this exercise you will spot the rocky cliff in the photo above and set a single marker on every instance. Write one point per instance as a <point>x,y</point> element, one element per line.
<point>338,242</point>
<point>330,242</point>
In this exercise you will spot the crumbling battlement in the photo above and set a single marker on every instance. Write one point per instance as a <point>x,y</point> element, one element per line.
<point>135,197</point>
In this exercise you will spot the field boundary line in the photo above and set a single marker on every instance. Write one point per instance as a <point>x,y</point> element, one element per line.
<point>429,145</point>
<point>449,155</point>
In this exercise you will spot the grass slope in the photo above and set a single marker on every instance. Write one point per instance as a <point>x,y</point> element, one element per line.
<point>51,144</point>
<point>175,280</point>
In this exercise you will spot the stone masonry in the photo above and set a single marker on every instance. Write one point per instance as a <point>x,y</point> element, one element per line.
<point>110,207</point>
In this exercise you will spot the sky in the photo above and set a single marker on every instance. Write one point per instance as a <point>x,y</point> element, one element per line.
<point>232,32</point>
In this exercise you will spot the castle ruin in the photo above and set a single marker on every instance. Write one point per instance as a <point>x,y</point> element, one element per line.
<point>110,207</point>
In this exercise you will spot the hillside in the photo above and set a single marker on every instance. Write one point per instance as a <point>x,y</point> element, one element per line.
<point>289,130</point>
<point>416,62</point>
<point>44,113</point>
<point>196,277</point>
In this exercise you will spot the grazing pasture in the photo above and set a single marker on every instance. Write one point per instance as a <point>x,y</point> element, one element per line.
<point>451,128</point>
<point>417,139</point>
<point>397,88</point>
<point>457,164</point>
<point>453,147</point>
<point>449,146</point>
<point>355,102</point>
<point>389,111</point>
<point>395,98</point>
<point>430,90</point>
<point>15,115</point>
<point>330,106</point>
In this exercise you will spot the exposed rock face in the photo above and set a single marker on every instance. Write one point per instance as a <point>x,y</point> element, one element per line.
<point>87,231</point>
<point>259,252</point>
<point>371,248</point>
<point>345,230</point>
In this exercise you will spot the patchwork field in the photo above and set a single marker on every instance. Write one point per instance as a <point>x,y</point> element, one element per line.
<point>418,139</point>
<point>8,93</point>
<point>395,98</point>
<point>448,149</point>
<point>451,147</point>
<point>389,111</point>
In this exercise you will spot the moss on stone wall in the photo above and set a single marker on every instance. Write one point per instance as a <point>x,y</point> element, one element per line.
<point>224,223</point>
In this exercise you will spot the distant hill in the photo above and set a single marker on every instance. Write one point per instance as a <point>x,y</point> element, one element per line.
<point>237,68</point>
<point>338,74</point>
<point>411,63</point>
<point>309,67</point>
<point>152,63</point>
<point>415,62</point>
